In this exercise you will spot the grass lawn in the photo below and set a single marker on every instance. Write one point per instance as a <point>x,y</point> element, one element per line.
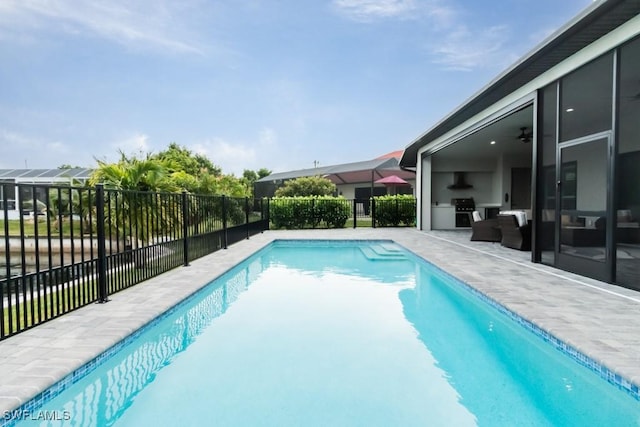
<point>48,306</point>
<point>29,228</point>
<point>360,222</point>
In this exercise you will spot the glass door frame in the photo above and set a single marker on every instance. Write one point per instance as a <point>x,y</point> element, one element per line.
<point>584,266</point>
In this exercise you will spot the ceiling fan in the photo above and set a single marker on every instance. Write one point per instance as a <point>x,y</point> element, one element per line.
<point>632,87</point>
<point>524,135</point>
<point>635,97</point>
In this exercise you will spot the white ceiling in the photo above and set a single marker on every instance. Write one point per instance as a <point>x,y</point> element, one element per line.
<point>505,134</point>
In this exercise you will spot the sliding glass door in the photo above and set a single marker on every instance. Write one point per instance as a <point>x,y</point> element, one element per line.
<point>587,192</point>
<point>582,201</point>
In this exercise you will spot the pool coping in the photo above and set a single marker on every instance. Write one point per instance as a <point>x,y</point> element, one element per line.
<point>410,239</point>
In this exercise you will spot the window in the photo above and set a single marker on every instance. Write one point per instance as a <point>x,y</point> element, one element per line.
<point>627,171</point>
<point>586,99</point>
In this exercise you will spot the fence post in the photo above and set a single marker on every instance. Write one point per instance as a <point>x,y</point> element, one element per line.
<point>102,253</point>
<point>185,229</point>
<point>246,210</point>
<point>373,212</point>
<point>7,255</point>
<point>265,213</point>
<point>355,212</point>
<point>224,221</point>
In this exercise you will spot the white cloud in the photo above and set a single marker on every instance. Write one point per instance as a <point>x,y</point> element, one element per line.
<point>235,157</point>
<point>34,152</point>
<point>450,38</point>
<point>144,23</point>
<point>137,144</point>
<point>437,13</point>
<point>268,137</point>
<point>58,148</point>
<point>14,139</point>
<point>365,10</point>
<point>232,158</point>
<point>462,49</point>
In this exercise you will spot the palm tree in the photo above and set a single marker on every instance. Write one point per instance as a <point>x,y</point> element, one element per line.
<point>136,212</point>
<point>133,174</point>
<point>66,201</point>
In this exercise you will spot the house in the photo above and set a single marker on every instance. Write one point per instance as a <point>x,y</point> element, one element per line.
<point>557,135</point>
<point>15,190</point>
<point>353,180</point>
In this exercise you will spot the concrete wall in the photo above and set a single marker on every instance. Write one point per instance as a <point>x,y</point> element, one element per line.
<point>507,163</point>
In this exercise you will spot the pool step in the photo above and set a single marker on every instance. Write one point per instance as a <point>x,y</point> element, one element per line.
<point>383,252</point>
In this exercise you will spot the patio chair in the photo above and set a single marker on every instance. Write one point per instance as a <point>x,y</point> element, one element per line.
<point>485,230</point>
<point>515,234</point>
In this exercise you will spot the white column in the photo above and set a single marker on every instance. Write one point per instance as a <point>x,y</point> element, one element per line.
<point>423,191</point>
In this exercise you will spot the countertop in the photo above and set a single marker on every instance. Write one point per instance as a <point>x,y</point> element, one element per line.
<point>478,205</point>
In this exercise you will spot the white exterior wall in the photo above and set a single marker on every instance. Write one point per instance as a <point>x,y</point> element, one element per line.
<point>423,193</point>
<point>348,191</point>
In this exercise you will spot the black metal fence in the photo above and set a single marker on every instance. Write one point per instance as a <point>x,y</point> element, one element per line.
<point>66,247</point>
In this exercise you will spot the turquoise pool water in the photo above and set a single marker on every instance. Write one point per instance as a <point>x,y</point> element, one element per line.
<point>337,333</point>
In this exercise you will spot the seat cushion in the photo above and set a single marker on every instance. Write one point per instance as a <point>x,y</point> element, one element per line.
<point>521,216</point>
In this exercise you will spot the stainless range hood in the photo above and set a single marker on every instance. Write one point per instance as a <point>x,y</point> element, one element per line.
<point>459,182</point>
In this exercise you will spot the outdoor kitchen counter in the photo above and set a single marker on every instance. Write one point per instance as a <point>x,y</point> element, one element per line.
<point>488,205</point>
<point>443,217</point>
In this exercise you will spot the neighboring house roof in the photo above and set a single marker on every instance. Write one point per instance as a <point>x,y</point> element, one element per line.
<point>396,154</point>
<point>367,171</point>
<point>595,21</point>
<point>348,173</point>
<point>44,174</point>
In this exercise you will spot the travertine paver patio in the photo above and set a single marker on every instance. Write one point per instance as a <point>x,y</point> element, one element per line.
<point>600,320</point>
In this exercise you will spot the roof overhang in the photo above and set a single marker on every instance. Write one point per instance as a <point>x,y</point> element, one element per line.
<point>369,175</point>
<point>595,21</point>
<point>349,173</point>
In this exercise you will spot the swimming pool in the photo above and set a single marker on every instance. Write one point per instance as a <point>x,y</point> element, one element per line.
<point>375,336</point>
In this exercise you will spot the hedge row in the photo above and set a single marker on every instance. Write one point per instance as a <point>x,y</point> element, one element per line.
<point>309,212</point>
<point>395,210</point>
<point>333,212</point>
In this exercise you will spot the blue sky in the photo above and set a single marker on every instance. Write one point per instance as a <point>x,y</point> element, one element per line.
<point>248,83</point>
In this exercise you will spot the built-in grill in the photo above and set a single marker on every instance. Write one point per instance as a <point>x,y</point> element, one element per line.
<point>463,207</point>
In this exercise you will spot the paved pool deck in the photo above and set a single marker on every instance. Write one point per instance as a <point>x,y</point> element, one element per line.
<point>598,319</point>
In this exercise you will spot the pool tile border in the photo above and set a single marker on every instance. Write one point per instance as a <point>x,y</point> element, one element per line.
<point>575,354</point>
<point>31,406</point>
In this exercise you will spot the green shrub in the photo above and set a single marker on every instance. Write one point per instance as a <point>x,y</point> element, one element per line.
<point>309,212</point>
<point>306,186</point>
<point>334,211</point>
<point>280,213</point>
<point>395,210</point>
<point>236,211</point>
